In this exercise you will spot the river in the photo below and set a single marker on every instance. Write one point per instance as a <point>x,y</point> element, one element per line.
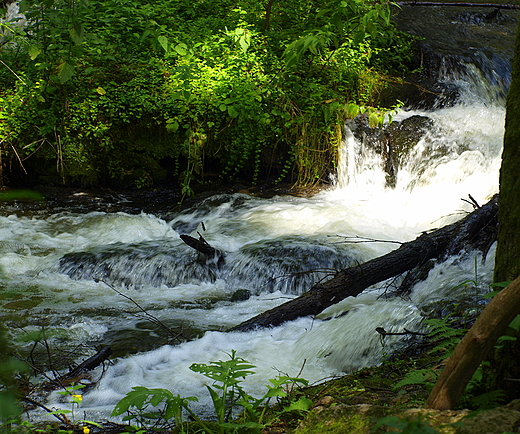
<point>87,277</point>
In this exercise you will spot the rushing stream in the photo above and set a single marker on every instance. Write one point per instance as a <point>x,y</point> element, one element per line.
<point>85,277</point>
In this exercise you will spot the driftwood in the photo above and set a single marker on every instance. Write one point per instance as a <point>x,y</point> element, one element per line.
<point>86,365</point>
<point>352,281</point>
<point>474,347</point>
<point>202,246</point>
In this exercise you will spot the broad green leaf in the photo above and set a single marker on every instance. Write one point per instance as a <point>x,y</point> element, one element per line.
<point>303,404</point>
<point>232,111</point>
<point>181,49</point>
<point>24,6</point>
<point>77,33</point>
<point>101,91</point>
<point>34,50</point>
<point>244,44</point>
<point>163,40</point>
<point>373,120</point>
<point>65,71</point>
<point>172,125</point>
<point>515,324</point>
<point>352,110</point>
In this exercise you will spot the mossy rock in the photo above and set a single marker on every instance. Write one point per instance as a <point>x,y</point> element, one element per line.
<point>342,418</point>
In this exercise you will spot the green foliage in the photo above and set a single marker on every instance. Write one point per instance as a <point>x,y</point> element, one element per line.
<point>135,92</point>
<point>141,404</point>
<point>446,336</point>
<point>145,405</point>
<point>444,333</point>
<point>10,367</point>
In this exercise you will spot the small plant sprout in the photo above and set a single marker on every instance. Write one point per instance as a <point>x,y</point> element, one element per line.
<point>75,398</point>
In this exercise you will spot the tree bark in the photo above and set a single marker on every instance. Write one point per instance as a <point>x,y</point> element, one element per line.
<point>352,281</point>
<point>268,14</point>
<point>507,262</point>
<point>504,361</point>
<point>474,347</point>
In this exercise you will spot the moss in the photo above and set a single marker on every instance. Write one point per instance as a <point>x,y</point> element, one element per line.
<point>355,419</point>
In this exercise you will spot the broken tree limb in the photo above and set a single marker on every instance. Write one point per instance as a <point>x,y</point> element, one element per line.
<point>202,246</point>
<point>474,347</point>
<point>87,365</point>
<point>354,280</point>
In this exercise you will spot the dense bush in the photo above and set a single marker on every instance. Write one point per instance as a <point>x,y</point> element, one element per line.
<point>127,92</point>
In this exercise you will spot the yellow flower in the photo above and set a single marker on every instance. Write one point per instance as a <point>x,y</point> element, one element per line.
<point>77,398</point>
<point>86,430</point>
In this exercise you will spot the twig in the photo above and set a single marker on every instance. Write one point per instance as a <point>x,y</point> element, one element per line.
<point>357,240</point>
<point>149,316</point>
<point>472,201</point>
<point>383,332</point>
<point>61,417</point>
<point>14,73</point>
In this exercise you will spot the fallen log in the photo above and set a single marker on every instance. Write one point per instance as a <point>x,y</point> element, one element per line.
<point>352,281</point>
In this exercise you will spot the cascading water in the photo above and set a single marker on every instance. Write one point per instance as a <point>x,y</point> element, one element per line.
<point>72,273</point>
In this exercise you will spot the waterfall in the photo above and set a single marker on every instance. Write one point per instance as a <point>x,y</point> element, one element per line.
<point>66,271</point>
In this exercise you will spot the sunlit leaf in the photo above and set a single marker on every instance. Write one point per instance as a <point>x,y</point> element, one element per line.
<point>352,110</point>
<point>34,50</point>
<point>181,49</point>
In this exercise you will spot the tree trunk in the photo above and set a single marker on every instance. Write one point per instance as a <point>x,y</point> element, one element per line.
<point>352,281</point>
<point>507,262</point>
<point>474,347</point>
<point>504,361</point>
<point>492,323</point>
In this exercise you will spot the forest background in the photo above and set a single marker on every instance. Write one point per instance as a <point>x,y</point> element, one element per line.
<point>128,93</point>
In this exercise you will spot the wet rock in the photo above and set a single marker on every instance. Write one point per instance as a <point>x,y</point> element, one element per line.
<point>455,46</point>
<point>241,295</point>
<point>393,142</point>
<point>420,92</point>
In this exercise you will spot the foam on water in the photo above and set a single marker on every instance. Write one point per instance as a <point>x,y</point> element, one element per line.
<point>460,156</point>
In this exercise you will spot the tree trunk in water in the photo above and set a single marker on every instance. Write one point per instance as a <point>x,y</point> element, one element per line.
<point>474,347</point>
<point>352,281</point>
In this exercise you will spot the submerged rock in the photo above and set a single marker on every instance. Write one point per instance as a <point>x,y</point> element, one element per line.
<point>241,295</point>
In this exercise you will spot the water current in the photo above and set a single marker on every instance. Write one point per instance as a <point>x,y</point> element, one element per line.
<point>51,263</point>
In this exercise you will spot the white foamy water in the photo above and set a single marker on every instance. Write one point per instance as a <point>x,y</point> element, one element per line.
<point>143,257</point>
